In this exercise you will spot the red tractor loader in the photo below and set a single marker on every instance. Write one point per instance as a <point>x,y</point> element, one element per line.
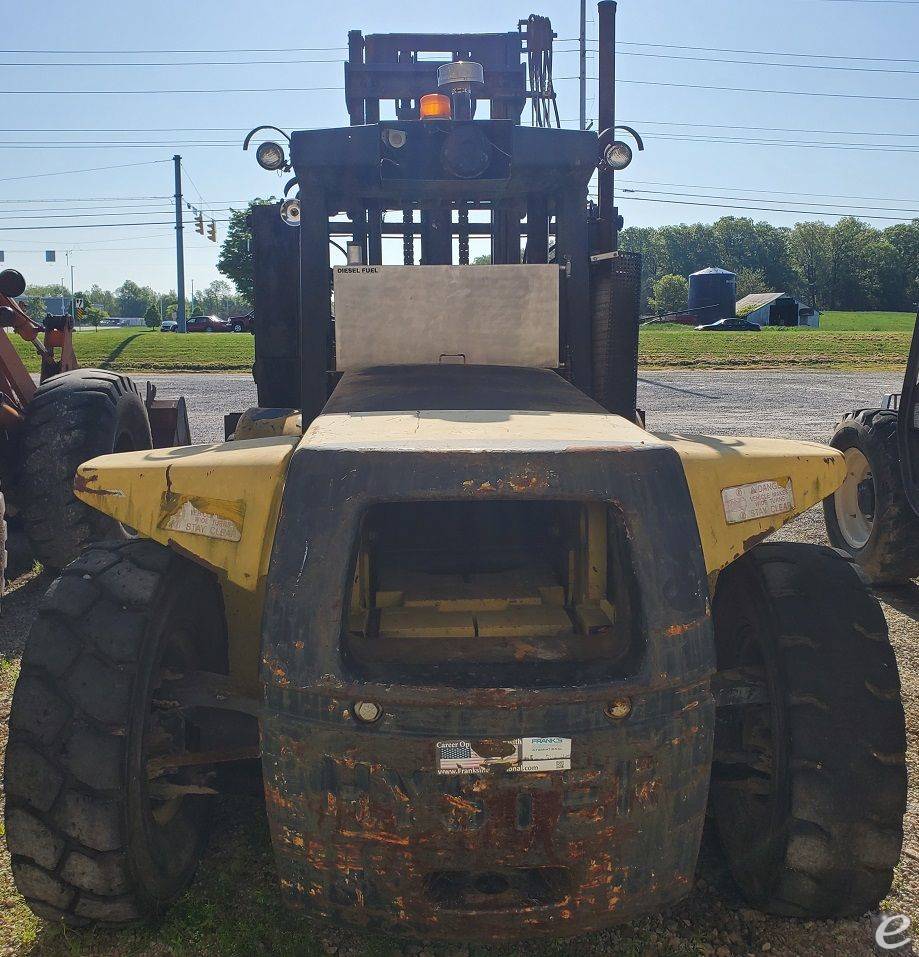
<point>47,430</point>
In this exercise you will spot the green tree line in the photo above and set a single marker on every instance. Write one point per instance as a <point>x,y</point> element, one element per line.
<point>846,265</point>
<point>220,298</point>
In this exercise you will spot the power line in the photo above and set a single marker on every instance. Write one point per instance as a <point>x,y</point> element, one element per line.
<point>278,89</point>
<point>336,89</point>
<point>664,192</point>
<point>760,129</point>
<point>743,189</point>
<point>909,3</point>
<point>245,129</point>
<point>211,50</point>
<point>815,56</point>
<point>92,169</point>
<point>656,135</point>
<point>764,209</point>
<point>338,61</point>
<point>80,247</point>
<point>82,226</point>
<point>87,199</point>
<point>147,63</point>
<point>795,144</point>
<point>791,66</point>
<point>193,183</point>
<point>84,214</point>
<point>340,49</point>
<point>744,89</point>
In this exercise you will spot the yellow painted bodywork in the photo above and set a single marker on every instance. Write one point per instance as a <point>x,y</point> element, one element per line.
<point>714,463</point>
<point>268,423</point>
<point>233,489</point>
<point>216,503</point>
<point>219,504</point>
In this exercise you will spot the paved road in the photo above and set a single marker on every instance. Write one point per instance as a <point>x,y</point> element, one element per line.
<point>801,405</point>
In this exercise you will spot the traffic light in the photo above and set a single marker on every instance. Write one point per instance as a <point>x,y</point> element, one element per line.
<point>199,223</point>
<point>212,231</point>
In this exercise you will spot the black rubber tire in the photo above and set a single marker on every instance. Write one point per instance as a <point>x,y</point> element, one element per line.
<point>238,327</point>
<point>73,417</point>
<point>3,558</point>
<point>83,843</point>
<point>891,554</point>
<point>808,789</point>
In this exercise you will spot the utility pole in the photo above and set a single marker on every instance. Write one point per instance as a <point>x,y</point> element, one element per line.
<point>180,248</point>
<point>73,310</point>
<point>583,58</point>
<point>606,112</point>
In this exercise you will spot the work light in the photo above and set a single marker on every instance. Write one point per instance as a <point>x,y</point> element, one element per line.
<point>270,156</point>
<point>617,155</point>
<point>290,212</point>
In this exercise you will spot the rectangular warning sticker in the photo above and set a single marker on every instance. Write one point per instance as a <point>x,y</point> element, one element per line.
<point>518,755</point>
<point>757,500</point>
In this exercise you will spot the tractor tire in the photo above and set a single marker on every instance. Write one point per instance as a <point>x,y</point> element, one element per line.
<point>870,517</point>
<point>2,544</point>
<point>809,776</point>
<point>94,835</point>
<point>73,417</point>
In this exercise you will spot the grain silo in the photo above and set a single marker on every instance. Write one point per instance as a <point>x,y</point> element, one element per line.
<point>712,294</point>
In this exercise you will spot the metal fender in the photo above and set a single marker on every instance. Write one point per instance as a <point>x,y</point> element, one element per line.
<point>217,504</point>
<point>743,489</point>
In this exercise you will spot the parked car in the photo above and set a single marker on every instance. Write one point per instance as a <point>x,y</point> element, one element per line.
<point>169,325</point>
<point>731,324</point>
<point>244,323</point>
<point>207,324</point>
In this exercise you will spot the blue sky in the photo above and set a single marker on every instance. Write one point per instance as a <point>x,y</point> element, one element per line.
<point>683,173</point>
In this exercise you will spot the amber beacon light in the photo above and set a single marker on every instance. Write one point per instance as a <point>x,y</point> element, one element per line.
<point>435,106</point>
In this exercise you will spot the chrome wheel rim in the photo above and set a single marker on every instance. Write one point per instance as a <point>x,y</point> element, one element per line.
<point>851,501</point>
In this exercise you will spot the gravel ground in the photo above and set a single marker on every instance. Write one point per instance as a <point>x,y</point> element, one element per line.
<point>713,921</point>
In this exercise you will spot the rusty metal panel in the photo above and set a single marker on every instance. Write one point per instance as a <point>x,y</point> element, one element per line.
<point>368,832</point>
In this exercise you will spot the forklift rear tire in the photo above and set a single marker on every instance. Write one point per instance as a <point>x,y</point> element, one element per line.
<point>73,417</point>
<point>94,835</point>
<point>809,775</point>
<point>869,517</point>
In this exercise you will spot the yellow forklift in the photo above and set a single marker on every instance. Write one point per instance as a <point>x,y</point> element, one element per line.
<point>495,645</point>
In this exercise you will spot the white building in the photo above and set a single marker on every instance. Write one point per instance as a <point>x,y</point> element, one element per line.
<point>777,309</point>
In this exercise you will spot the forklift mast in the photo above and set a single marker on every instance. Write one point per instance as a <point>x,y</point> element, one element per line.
<point>436,152</point>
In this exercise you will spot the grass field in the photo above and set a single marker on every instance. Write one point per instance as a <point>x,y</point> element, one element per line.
<point>868,321</point>
<point>143,350</point>
<point>846,340</point>
<point>799,348</point>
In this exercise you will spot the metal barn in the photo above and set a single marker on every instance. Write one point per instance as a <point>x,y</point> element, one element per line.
<point>777,309</point>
